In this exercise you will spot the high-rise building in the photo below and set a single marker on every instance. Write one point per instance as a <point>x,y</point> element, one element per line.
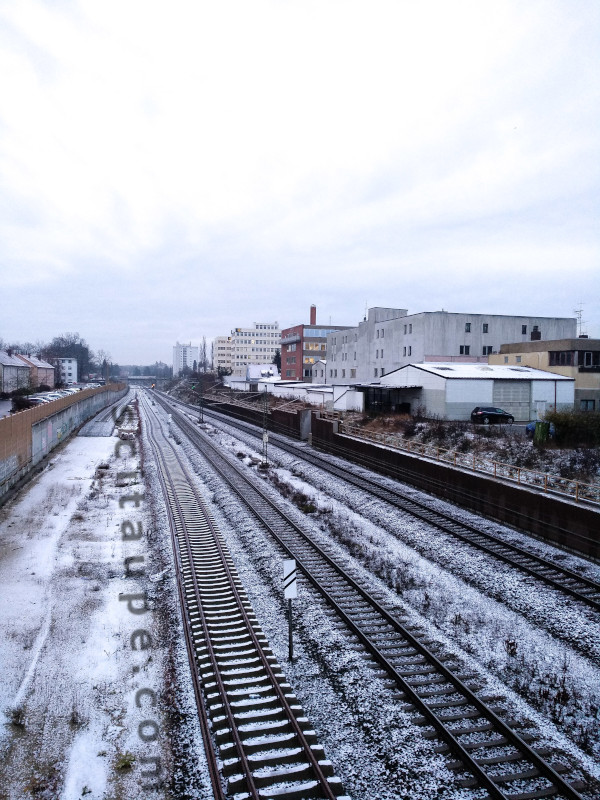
<point>254,345</point>
<point>184,355</point>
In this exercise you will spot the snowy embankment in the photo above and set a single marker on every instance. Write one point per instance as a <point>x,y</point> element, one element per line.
<point>86,649</point>
<point>538,650</point>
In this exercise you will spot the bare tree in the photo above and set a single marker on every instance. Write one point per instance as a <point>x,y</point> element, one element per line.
<point>203,357</point>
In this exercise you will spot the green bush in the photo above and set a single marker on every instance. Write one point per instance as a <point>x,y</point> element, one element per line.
<point>576,428</point>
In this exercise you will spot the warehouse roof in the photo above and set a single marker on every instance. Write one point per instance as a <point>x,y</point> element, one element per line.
<point>482,371</point>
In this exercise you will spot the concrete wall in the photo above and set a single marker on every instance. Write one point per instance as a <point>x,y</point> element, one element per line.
<point>568,524</point>
<point>27,437</point>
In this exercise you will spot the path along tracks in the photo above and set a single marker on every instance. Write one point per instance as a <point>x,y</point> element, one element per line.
<point>247,710</point>
<point>488,751</point>
<point>554,575</point>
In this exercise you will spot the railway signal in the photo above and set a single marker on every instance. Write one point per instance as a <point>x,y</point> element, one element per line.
<point>290,590</point>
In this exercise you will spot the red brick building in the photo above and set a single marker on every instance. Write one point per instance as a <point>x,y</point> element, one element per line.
<point>302,345</point>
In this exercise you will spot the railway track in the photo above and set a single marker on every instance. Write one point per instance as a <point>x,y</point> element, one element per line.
<point>104,422</point>
<point>488,752</point>
<point>251,721</point>
<point>557,577</point>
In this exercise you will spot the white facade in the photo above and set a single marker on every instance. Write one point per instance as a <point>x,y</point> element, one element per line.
<point>254,345</point>
<point>319,371</point>
<point>452,390</point>
<point>222,353</point>
<point>390,338</point>
<point>68,369</point>
<point>184,355</point>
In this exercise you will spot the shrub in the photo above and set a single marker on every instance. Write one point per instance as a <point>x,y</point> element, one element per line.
<point>576,428</point>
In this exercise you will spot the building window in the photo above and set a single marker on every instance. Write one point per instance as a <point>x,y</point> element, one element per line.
<point>353,373</point>
<point>485,327</point>
<point>382,372</point>
<point>378,333</point>
<point>404,351</point>
<point>467,327</point>
<point>465,349</point>
<point>343,373</point>
<point>410,328</point>
<point>518,359</point>
<point>410,350</point>
<point>335,373</point>
<point>383,333</point>
<point>376,353</point>
<point>382,353</point>
<point>587,405</point>
<point>331,373</point>
<point>374,372</point>
<point>405,329</point>
<point>561,358</point>
<point>487,350</point>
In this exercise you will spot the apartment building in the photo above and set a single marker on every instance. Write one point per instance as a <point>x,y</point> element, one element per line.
<point>184,355</point>
<point>302,346</point>
<point>67,368</point>
<point>222,353</point>
<point>390,338</point>
<point>253,345</point>
<point>42,373</point>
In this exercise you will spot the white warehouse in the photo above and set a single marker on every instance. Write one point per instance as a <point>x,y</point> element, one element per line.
<point>452,390</point>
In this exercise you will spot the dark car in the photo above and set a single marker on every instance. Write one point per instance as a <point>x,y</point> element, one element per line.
<point>486,415</point>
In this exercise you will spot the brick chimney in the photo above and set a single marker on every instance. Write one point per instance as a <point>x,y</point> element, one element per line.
<point>313,315</point>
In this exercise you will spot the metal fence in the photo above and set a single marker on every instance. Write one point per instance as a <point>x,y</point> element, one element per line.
<point>546,482</point>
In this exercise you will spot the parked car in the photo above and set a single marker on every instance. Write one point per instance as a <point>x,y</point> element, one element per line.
<point>486,415</point>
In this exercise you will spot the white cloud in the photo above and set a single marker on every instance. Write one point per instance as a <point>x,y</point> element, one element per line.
<point>336,139</point>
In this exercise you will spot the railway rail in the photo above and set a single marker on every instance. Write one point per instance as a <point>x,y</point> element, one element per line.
<point>559,578</point>
<point>488,751</point>
<point>246,708</point>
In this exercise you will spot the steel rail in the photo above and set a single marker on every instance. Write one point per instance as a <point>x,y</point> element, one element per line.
<point>211,756</point>
<point>452,526</point>
<point>243,487</point>
<point>308,752</point>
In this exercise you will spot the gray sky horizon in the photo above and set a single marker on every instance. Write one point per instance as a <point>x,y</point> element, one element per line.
<point>169,173</point>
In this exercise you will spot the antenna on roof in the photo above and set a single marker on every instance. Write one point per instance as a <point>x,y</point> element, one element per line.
<point>580,321</point>
<point>365,317</point>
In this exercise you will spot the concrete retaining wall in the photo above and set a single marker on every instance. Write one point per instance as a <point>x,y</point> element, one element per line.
<point>568,524</point>
<point>27,437</point>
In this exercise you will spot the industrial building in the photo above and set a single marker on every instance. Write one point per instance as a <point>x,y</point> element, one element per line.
<point>452,390</point>
<point>390,338</point>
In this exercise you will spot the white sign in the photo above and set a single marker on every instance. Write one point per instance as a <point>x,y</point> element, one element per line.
<point>265,437</point>
<point>290,586</point>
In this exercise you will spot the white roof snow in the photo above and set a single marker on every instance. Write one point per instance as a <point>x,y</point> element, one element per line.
<point>487,371</point>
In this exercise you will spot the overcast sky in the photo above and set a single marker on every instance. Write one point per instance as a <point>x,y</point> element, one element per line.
<point>173,170</point>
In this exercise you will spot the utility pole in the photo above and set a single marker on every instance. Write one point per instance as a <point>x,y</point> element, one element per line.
<point>265,428</point>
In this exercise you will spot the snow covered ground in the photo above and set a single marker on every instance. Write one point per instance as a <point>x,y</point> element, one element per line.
<point>538,651</point>
<point>72,667</point>
<point>88,666</point>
